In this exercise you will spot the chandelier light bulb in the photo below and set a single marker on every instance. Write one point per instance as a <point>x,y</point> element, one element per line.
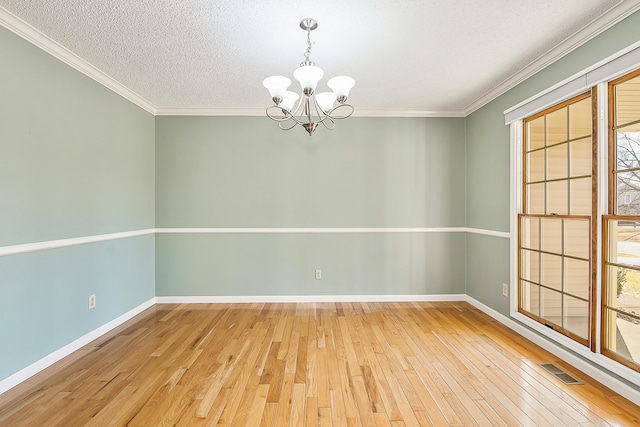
<point>288,100</point>
<point>326,100</point>
<point>308,76</point>
<point>341,85</point>
<point>277,86</point>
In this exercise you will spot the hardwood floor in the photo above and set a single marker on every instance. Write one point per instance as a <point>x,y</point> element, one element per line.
<point>329,364</point>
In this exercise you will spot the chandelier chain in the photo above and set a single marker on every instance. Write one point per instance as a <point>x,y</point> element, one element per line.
<point>309,44</point>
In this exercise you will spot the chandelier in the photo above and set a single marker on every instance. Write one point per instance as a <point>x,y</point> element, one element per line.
<point>311,108</point>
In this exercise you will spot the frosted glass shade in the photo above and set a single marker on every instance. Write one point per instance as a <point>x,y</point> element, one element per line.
<point>276,85</point>
<point>308,76</point>
<point>288,100</point>
<point>325,101</point>
<point>341,85</point>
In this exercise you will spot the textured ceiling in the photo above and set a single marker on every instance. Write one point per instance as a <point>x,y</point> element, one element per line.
<point>430,55</point>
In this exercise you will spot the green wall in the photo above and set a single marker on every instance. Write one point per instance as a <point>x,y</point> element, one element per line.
<point>76,160</point>
<point>220,172</point>
<point>284,264</point>
<point>487,142</point>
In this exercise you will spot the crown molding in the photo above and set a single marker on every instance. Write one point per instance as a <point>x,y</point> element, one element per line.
<point>409,112</point>
<point>35,37</point>
<point>605,21</point>
<point>186,111</point>
<point>359,112</point>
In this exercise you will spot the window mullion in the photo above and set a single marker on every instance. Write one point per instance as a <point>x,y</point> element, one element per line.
<point>601,205</point>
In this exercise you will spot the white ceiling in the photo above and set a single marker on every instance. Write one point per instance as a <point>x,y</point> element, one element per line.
<point>411,57</point>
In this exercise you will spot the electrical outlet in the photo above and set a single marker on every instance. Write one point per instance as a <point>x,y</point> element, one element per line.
<point>92,301</point>
<point>318,274</point>
<point>505,290</point>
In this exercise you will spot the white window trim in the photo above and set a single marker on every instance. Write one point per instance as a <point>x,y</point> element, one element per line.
<point>616,65</point>
<point>598,75</point>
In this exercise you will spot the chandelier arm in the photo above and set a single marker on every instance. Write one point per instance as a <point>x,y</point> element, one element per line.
<point>298,105</point>
<point>325,117</point>
<point>310,101</point>
<point>299,114</point>
<point>287,115</point>
<point>295,114</point>
<point>305,115</point>
<point>330,113</point>
<point>330,120</point>
<point>297,120</point>
<point>322,116</point>
<point>293,124</point>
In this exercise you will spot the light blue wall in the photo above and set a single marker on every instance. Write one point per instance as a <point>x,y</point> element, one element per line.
<point>369,172</point>
<point>487,143</point>
<point>44,295</point>
<point>76,160</point>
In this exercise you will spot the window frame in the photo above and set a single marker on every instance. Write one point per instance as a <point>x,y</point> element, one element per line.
<point>612,214</point>
<point>589,342</point>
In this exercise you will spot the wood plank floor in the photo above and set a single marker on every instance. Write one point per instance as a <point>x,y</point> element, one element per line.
<point>311,364</point>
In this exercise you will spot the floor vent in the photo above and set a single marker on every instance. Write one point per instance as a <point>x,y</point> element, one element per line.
<point>559,374</point>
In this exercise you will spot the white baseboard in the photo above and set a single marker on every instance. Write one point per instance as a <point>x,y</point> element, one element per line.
<point>629,392</point>
<point>306,298</point>
<point>31,370</point>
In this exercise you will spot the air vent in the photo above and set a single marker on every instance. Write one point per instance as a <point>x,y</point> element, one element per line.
<point>559,374</point>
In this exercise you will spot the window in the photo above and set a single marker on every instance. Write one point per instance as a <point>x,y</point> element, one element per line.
<point>575,204</point>
<point>556,224</point>
<point>621,277</point>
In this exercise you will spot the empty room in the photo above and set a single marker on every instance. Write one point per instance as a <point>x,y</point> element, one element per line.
<point>336,213</point>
